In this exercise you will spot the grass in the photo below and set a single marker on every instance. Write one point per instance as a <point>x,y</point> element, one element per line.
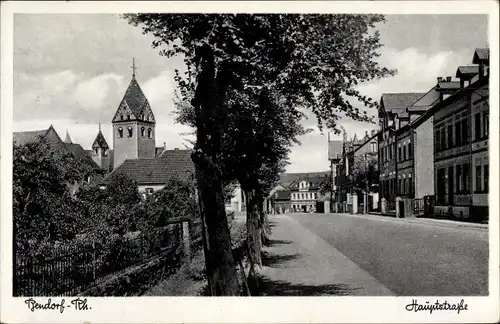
<point>190,279</point>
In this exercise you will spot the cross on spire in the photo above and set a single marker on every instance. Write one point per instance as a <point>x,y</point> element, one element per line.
<point>133,68</point>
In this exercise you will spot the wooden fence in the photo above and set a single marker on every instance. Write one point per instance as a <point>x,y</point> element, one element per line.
<point>68,272</point>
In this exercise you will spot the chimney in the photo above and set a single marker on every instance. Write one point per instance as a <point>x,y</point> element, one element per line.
<point>448,79</point>
<point>165,146</point>
<point>440,79</point>
<point>481,69</point>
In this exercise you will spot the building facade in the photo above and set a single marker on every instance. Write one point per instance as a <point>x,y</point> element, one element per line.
<point>461,158</point>
<point>305,193</point>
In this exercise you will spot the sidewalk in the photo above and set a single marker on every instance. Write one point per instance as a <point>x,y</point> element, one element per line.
<point>425,221</point>
<point>299,263</point>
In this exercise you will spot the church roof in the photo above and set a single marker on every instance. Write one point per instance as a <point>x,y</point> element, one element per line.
<point>135,98</point>
<point>171,164</point>
<point>100,141</point>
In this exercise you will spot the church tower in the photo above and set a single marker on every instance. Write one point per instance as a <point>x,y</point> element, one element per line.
<point>133,126</point>
<point>100,151</point>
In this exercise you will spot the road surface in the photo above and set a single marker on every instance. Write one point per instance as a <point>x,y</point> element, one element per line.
<point>407,257</point>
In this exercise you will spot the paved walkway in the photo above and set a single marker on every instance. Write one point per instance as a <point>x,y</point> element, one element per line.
<point>299,263</point>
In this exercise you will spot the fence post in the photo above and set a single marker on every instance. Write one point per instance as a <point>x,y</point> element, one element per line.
<point>186,239</point>
<point>93,259</point>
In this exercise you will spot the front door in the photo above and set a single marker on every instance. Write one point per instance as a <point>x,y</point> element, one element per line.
<point>450,185</point>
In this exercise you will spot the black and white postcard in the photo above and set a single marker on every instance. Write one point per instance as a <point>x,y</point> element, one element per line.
<point>299,161</point>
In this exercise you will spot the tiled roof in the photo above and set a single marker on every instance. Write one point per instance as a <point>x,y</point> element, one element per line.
<point>335,149</point>
<point>21,138</point>
<point>77,151</point>
<point>286,179</point>
<point>179,160</point>
<point>481,54</point>
<point>281,195</point>
<point>467,70</point>
<point>100,141</point>
<point>315,181</point>
<point>398,102</point>
<point>172,163</point>
<point>135,98</point>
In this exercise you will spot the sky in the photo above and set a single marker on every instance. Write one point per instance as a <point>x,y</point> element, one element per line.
<point>71,71</point>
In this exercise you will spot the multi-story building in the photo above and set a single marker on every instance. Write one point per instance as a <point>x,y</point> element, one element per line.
<point>305,193</point>
<point>393,115</point>
<point>414,161</point>
<point>461,146</point>
<point>360,160</point>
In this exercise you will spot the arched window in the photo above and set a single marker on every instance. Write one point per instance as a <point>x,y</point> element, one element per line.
<point>142,131</point>
<point>96,150</point>
<point>129,131</point>
<point>150,132</point>
<point>120,132</point>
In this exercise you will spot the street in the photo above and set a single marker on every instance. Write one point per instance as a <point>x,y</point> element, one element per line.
<point>408,257</point>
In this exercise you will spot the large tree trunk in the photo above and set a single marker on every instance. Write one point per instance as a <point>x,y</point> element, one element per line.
<point>220,265</point>
<point>253,229</point>
<point>263,221</point>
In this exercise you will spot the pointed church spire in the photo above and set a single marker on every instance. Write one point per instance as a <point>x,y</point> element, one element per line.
<point>68,138</point>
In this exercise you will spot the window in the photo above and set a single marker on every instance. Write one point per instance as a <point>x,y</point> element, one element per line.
<point>458,134</point>
<point>399,153</point>
<point>400,182</point>
<point>466,180</point>
<point>465,130</point>
<point>128,116</point>
<point>404,186</point>
<point>458,179</point>
<point>478,178</point>
<point>477,126</point>
<point>120,132</point>
<point>391,148</point>
<point>129,131</point>
<point>150,132</point>
<point>410,150</point>
<point>149,191</point>
<point>443,138</point>
<point>486,177</point>
<point>437,138</point>
<point>105,152</point>
<point>121,117</point>
<point>142,131</point>
<point>404,152</point>
<point>382,155</point>
<point>486,123</point>
<point>450,136</point>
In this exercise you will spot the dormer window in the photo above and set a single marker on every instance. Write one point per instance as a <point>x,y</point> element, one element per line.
<point>129,131</point>
<point>142,131</point>
<point>120,132</point>
<point>150,132</point>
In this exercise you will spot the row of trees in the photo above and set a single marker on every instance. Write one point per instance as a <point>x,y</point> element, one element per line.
<point>248,82</point>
